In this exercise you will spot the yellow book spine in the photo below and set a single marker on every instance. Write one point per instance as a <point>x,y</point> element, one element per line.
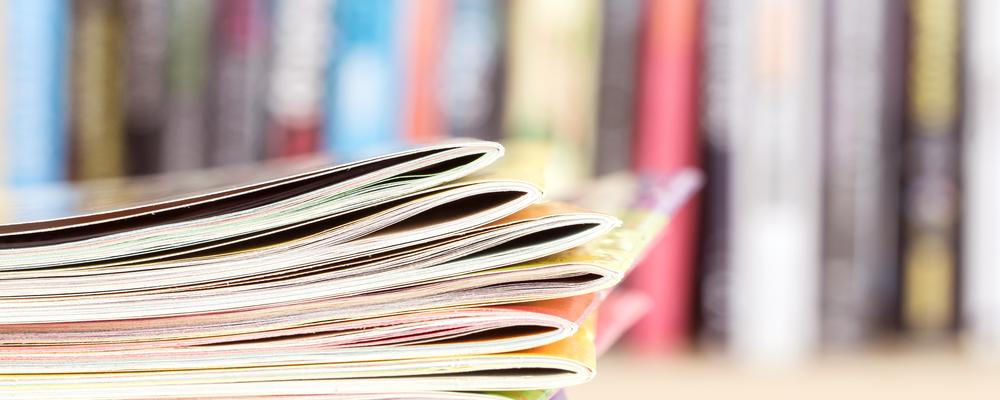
<point>931,194</point>
<point>98,137</point>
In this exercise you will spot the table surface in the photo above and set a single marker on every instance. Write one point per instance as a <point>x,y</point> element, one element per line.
<point>909,375</point>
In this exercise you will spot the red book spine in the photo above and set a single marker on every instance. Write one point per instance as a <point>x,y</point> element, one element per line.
<point>295,138</point>
<point>425,45</point>
<point>666,141</point>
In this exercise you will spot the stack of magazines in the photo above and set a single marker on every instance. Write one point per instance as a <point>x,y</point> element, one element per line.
<point>415,275</point>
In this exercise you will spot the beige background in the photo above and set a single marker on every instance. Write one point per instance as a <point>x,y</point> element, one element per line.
<point>930,375</point>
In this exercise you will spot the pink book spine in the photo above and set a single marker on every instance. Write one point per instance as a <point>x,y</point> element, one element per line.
<point>426,25</point>
<point>667,140</point>
<point>619,312</point>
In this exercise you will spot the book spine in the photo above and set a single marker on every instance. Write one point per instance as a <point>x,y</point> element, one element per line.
<point>298,61</point>
<point>775,186</point>
<point>237,134</point>
<point>97,135</point>
<point>619,51</point>
<point>36,124</point>
<point>472,64</point>
<point>145,94</point>
<point>981,228</point>
<point>425,23</point>
<point>931,191</point>
<point>365,81</point>
<point>184,143</point>
<point>550,110</point>
<point>860,216</point>
<point>667,140</point>
<point>4,112</point>
<point>716,129</point>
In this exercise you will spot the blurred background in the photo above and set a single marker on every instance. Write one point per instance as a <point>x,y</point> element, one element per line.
<point>847,235</point>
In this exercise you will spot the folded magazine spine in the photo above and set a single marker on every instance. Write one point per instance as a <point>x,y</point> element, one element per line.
<point>359,277</point>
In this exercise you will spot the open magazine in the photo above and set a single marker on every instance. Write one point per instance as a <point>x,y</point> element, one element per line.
<point>412,275</point>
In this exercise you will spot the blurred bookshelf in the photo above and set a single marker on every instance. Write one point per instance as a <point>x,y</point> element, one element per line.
<point>849,149</point>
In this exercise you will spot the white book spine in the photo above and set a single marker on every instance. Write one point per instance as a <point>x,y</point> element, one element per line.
<point>982,183</point>
<point>301,37</point>
<point>775,194</point>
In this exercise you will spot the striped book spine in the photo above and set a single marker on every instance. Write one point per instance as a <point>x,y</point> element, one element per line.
<point>931,190</point>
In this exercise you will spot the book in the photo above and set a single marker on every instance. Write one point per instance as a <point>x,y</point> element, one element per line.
<point>425,23</point>
<point>619,56</point>
<point>560,395</point>
<point>184,144</point>
<point>712,312</point>
<point>238,73</point>
<point>931,191</point>
<point>775,180</point>
<point>365,79</point>
<point>473,63</point>
<point>550,103</point>
<point>4,168</point>
<point>387,277</point>
<point>98,139</point>
<point>861,191</point>
<point>297,77</point>
<point>145,86</point>
<point>36,78</point>
<point>981,289</point>
<point>667,139</point>
<point>619,312</point>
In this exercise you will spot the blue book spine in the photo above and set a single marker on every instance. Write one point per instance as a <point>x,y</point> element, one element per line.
<point>364,88</point>
<point>36,88</point>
